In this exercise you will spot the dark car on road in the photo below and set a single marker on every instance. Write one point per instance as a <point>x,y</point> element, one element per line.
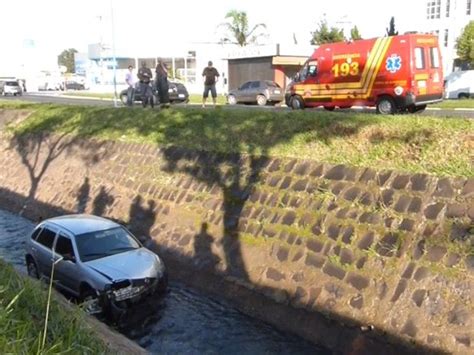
<point>74,85</point>
<point>97,261</point>
<point>261,92</point>
<point>177,93</point>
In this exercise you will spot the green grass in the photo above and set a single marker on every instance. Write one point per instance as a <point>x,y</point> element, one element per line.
<point>452,104</point>
<point>411,143</point>
<point>97,95</point>
<point>22,310</point>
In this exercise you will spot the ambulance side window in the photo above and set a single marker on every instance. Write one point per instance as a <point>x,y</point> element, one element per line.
<point>313,68</point>
<point>419,58</point>
<point>434,57</point>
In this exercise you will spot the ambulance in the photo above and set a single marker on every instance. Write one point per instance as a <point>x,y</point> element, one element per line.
<point>395,74</point>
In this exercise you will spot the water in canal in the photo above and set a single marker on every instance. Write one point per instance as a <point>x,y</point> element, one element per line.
<point>184,321</point>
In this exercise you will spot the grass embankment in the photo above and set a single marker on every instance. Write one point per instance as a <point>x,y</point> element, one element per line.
<point>22,311</point>
<point>193,98</point>
<point>452,104</point>
<point>420,144</point>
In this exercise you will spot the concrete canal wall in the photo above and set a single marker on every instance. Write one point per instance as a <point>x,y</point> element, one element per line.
<point>355,259</point>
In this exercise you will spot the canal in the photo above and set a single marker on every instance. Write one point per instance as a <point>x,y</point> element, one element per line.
<point>184,321</point>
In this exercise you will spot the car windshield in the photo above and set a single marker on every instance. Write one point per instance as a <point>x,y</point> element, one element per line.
<point>11,83</point>
<point>96,245</point>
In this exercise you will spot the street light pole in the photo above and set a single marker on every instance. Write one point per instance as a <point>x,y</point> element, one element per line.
<point>113,53</point>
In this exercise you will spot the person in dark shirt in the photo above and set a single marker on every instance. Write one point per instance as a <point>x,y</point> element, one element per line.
<point>145,76</point>
<point>210,76</point>
<point>162,85</point>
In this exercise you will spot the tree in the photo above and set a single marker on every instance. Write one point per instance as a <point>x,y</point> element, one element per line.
<point>391,30</point>
<point>465,44</point>
<point>324,34</point>
<point>237,29</point>
<point>66,58</point>
<point>355,34</point>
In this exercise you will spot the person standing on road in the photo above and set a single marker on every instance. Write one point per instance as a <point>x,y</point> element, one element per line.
<point>145,76</point>
<point>130,80</point>
<point>210,76</point>
<point>162,83</point>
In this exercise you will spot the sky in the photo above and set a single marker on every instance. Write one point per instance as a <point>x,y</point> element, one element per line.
<point>53,25</point>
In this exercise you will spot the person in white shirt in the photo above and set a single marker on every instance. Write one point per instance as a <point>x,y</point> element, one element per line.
<point>130,80</point>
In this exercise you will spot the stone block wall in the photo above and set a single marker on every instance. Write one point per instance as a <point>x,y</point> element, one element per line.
<point>378,250</point>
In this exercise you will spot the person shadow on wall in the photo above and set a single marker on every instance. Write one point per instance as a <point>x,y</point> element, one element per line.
<point>204,258</point>
<point>141,219</point>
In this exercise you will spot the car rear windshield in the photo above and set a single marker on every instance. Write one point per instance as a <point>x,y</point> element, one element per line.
<point>272,84</point>
<point>11,83</point>
<point>96,245</point>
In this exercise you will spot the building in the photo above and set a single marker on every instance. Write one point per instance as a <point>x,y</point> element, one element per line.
<point>447,19</point>
<point>270,62</point>
<point>185,63</point>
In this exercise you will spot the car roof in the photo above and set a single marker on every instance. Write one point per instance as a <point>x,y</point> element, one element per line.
<point>82,223</point>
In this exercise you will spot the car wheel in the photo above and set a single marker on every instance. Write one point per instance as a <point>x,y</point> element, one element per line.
<point>90,302</point>
<point>385,105</point>
<point>32,269</point>
<point>261,100</point>
<point>297,103</point>
<point>123,98</point>
<point>232,100</point>
<point>329,108</point>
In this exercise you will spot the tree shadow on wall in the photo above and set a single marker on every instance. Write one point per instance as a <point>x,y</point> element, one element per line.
<point>235,174</point>
<point>38,150</point>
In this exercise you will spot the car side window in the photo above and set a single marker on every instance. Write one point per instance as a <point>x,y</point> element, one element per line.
<point>255,85</point>
<point>46,238</point>
<point>35,234</point>
<point>245,86</point>
<point>64,246</point>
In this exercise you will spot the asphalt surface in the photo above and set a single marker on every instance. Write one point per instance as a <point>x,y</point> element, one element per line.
<point>70,100</point>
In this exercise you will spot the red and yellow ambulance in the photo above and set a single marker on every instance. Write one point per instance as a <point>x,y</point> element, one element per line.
<point>394,74</point>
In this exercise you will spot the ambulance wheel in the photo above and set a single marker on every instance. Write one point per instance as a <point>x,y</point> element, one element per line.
<point>386,105</point>
<point>297,103</point>
<point>329,108</point>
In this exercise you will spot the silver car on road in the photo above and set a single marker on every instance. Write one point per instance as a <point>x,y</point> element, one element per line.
<point>96,260</point>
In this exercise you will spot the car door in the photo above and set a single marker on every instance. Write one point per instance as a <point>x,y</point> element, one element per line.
<point>44,249</point>
<point>243,92</point>
<point>254,91</point>
<point>66,271</point>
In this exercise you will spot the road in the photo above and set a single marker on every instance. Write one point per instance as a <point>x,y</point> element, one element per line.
<point>56,98</point>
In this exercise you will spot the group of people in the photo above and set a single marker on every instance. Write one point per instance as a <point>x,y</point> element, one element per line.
<point>210,76</point>
<point>145,77</point>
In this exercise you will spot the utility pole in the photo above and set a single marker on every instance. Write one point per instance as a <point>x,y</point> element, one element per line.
<point>114,58</point>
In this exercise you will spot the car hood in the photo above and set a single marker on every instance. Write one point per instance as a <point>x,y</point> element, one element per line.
<point>134,264</point>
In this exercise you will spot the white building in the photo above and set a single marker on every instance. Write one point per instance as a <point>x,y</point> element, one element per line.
<point>447,18</point>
